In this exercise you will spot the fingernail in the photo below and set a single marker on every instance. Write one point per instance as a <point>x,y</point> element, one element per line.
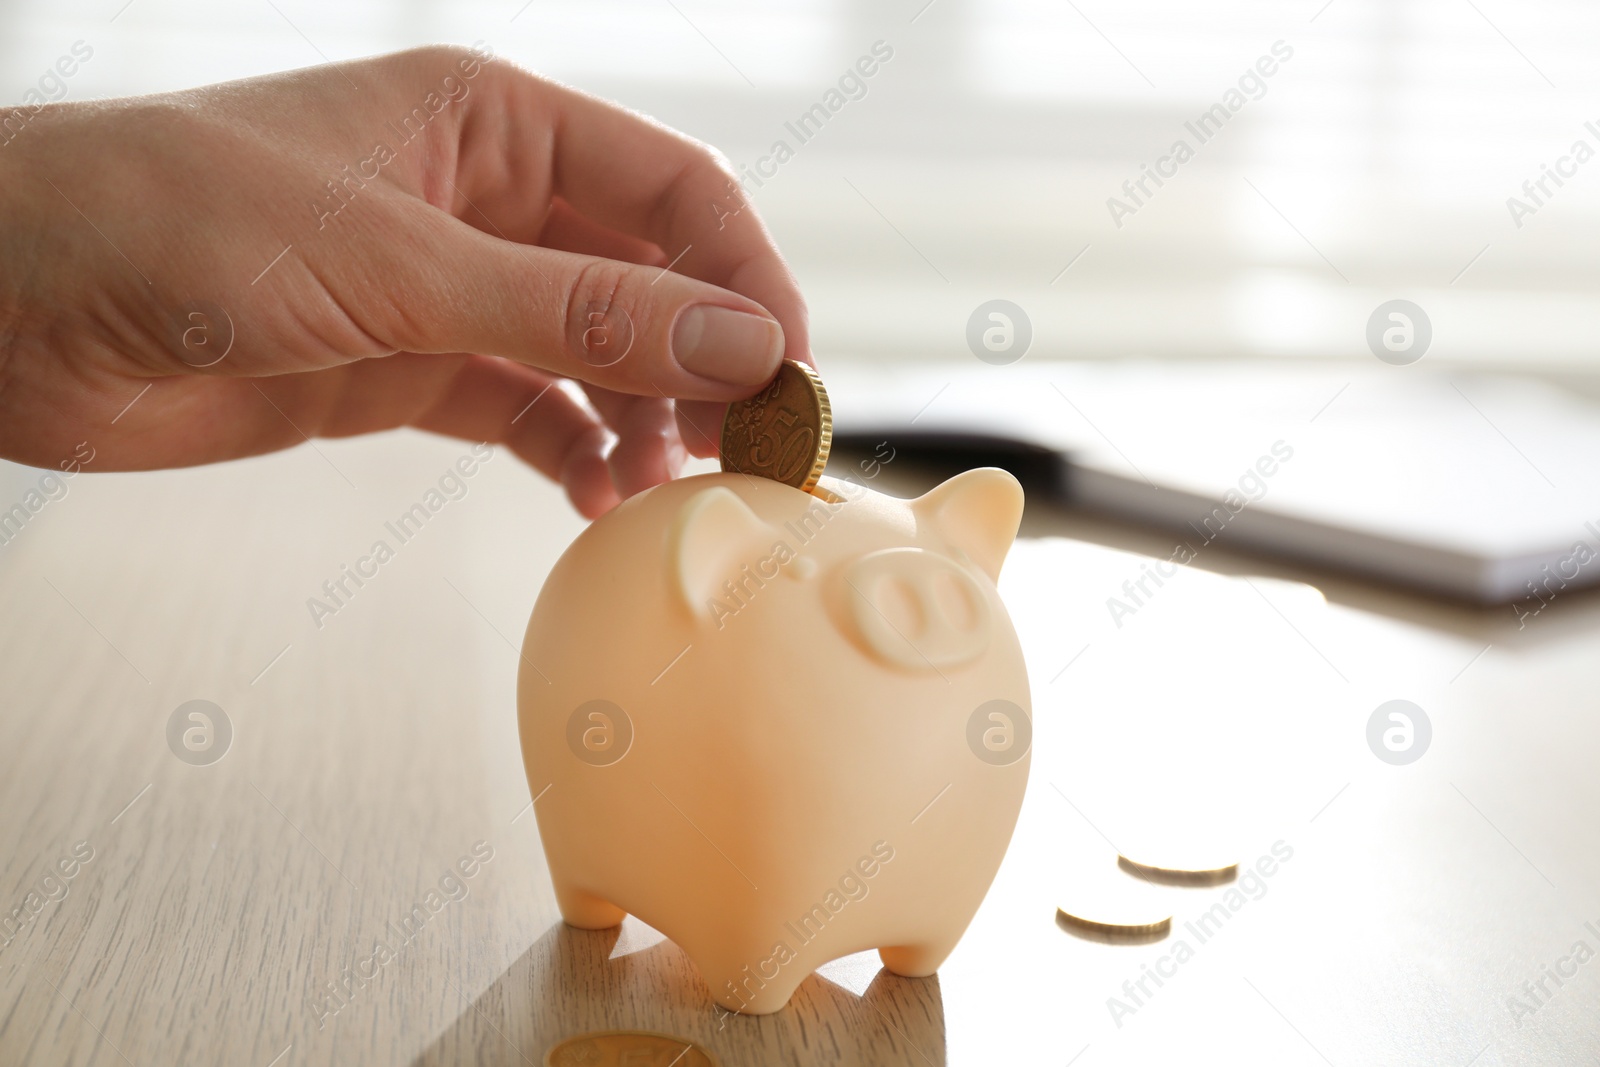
<point>727,345</point>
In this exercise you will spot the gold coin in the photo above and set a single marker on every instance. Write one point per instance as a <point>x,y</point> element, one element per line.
<point>1175,870</point>
<point>783,432</point>
<point>1097,903</point>
<point>627,1048</point>
<point>1114,924</point>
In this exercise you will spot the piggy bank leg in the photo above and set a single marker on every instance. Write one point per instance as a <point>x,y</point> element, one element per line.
<point>917,960</point>
<point>583,909</point>
<point>748,980</point>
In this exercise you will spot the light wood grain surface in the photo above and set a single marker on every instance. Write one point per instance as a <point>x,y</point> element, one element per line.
<point>373,753</point>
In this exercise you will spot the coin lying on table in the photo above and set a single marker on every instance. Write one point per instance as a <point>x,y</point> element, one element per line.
<point>1182,870</point>
<point>624,1048</point>
<point>783,432</point>
<point>1099,922</point>
<point>1097,903</point>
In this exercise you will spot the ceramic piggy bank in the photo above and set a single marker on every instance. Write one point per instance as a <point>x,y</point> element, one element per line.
<point>780,727</point>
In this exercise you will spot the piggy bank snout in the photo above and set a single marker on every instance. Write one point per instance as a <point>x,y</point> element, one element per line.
<point>917,610</point>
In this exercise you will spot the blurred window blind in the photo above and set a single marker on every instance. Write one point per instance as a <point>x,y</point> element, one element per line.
<point>1375,163</point>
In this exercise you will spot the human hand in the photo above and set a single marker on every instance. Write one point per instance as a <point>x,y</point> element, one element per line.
<point>430,239</point>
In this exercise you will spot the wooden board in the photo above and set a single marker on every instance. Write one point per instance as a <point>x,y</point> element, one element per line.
<point>372,753</point>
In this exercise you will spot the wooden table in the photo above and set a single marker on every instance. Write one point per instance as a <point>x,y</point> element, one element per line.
<point>371,753</point>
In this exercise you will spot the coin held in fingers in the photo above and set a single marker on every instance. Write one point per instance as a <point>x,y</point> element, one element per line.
<point>783,432</point>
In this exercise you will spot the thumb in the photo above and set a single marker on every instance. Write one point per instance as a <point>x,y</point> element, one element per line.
<point>621,326</point>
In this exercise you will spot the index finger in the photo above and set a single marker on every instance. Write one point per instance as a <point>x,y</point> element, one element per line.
<point>635,175</point>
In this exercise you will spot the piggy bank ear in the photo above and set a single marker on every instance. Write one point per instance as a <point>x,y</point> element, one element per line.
<point>710,537</point>
<point>978,512</point>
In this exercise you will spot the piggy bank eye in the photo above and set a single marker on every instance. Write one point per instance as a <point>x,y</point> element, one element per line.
<point>916,610</point>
